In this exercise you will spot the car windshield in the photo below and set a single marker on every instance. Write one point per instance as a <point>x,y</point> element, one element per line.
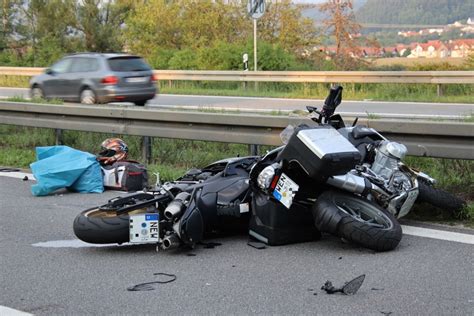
<point>128,63</point>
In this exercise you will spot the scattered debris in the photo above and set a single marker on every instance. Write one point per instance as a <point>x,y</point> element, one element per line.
<point>25,178</point>
<point>386,313</point>
<point>256,244</point>
<point>377,289</point>
<point>349,288</point>
<point>148,286</point>
<point>339,258</point>
<point>210,245</point>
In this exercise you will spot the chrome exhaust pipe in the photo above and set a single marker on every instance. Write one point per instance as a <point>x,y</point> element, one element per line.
<point>170,242</point>
<point>176,207</point>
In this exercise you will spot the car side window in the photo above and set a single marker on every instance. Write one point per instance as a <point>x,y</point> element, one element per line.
<point>62,66</point>
<point>77,65</point>
<point>83,64</point>
<point>91,64</point>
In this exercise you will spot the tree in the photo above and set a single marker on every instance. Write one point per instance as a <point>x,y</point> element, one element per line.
<point>284,24</point>
<point>44,27</point>
<point>153,26</point>
<point>342,25</point>
<point>101,23</point>
<point>7,12</point>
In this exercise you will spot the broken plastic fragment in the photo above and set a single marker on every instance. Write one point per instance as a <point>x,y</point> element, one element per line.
<point>350,288</point>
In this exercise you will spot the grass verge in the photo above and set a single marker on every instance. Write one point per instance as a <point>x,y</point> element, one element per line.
<point>456,93</point>
<point>34,100</point>
<point>172,157</point>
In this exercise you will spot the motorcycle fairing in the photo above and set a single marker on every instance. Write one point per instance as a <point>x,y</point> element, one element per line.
<point>202,215</point>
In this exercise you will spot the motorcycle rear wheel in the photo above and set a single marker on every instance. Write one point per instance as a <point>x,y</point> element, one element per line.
<point>97,226</point>
<point>356,220</point>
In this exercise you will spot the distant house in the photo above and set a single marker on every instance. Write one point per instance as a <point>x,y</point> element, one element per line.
<point>431,49</point>
<point>461,47</point>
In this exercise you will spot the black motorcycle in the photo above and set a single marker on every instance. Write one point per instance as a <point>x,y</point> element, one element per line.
<point>174,213</point>
<point>346,181</point>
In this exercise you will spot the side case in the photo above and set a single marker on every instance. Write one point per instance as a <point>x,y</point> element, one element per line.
<point>272,223</point>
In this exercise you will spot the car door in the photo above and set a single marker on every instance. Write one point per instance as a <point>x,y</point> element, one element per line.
<point>74,77</point>
<point>53,85</point>
<point>82,73</point>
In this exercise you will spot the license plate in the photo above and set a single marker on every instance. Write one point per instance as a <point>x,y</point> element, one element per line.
<point>144,228</point>
<point>285,190</point>
<point>136,79</point>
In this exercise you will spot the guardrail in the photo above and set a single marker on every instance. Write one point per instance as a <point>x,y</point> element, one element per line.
<point>423,138</point>
<point>431,77</point>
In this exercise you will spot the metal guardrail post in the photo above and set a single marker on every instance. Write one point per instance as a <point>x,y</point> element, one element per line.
<point>147,149</point>
<point>254,150</point>
<point>58,136</point>
<point>439,90</point>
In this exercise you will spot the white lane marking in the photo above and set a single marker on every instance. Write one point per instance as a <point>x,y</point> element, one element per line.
<point>7,311</point>
<point>17,175</point>
<point>73,243</point>
<point>438,234</point>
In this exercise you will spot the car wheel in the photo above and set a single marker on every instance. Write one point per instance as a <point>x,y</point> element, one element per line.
<point>140,103</point>
<point>36,93</point>
<point>87,96</point>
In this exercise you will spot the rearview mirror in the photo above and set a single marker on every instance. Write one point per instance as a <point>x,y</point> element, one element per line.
<point>49,71</point>
<point>334,98</point>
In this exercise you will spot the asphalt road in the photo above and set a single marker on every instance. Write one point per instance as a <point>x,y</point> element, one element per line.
<point>395,109</point>
<point>42,273</point>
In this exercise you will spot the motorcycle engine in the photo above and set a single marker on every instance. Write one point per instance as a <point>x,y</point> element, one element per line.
<point>397,182</point>
<point>388,155</point>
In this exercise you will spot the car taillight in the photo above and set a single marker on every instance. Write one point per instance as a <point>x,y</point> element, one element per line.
<point>154,78</point>
<point>110,80</point>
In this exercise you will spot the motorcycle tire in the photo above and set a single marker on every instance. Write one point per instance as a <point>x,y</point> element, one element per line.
<point>439,198</point>
<point>101,227</point>
<point>357,220</point>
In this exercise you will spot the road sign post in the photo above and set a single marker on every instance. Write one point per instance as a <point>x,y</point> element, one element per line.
<point>255,9</point>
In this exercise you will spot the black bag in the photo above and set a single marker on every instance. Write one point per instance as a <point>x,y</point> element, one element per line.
<point>272,223</point>
<point>125,175</point>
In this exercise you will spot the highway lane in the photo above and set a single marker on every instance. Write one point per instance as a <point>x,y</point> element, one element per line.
<point>382,108</point>
<point>46,272</point>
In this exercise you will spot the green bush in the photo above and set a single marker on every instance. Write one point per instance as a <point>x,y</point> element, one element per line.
<point>185,59</point>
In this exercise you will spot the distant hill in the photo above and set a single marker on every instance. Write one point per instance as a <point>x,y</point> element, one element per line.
<point>314,12</point>
<point>415,11</point>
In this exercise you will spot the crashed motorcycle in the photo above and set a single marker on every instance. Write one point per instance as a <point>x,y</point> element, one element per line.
<point>351,177</point>
<point>348,181</point>
<point>180,212</point>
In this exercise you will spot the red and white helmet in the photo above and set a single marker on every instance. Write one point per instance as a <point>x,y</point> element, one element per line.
<point>112,150</point>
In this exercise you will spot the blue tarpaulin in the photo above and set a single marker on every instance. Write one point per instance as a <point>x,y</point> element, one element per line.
<point>60,167</point>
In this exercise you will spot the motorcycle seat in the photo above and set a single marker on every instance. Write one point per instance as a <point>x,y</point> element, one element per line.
<point>362,131</point>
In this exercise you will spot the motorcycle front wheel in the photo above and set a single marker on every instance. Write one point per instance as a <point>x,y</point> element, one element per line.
<point>439,198</point>
<point>356,220</point>
<point>97,226</point>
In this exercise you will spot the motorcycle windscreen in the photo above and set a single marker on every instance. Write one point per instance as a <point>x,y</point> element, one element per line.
<point>191,225</point>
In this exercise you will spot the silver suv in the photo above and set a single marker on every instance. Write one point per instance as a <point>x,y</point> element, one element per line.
<point>97,78</point>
